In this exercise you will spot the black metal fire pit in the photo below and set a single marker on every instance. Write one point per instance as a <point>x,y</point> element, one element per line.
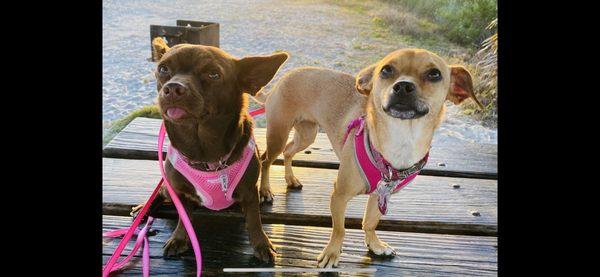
<point>186,31</point>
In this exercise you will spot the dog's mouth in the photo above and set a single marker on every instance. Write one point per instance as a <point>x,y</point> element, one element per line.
<point>175,113</point>
<point>406,111</point>
<point>178,114</point>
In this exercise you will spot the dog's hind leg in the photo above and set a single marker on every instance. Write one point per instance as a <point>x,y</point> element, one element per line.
<point>305,134</point>
<point>277,135</point>
<point>370,221</point>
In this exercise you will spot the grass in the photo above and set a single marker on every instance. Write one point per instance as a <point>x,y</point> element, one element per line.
<point>460,21</point>
<point>115,127</point>
<point>458,31</point>
<point>485,72</point>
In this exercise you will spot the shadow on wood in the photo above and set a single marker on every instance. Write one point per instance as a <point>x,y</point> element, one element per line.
<point>226,245</point>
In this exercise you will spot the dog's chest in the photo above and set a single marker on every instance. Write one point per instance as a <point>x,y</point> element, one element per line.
<point>403,145</point>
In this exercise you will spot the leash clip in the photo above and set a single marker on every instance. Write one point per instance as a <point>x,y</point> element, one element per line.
<point>388,179</point>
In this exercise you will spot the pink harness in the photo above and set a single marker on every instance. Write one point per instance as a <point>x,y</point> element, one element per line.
<point>215,188</point>
<point>220,198</point>
<point>378,174</point>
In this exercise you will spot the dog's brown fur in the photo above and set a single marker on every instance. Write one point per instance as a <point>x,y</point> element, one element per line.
<point>215,122</point>
<point>308,98</point>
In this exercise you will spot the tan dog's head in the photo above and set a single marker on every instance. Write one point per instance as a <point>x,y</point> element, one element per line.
<point>412,83</point>
<point>196,82</point>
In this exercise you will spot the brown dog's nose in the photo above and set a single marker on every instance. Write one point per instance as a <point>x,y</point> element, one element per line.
<point>173,90</point>
<point>404,87</point>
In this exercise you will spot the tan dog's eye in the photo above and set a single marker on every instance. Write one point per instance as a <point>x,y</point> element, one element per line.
<point>213,76</point>
<point>434,75</point>
<point>387,71</point>
<point>163,69</point>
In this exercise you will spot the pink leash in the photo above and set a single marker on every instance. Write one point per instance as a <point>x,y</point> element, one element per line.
<point>142,238</point>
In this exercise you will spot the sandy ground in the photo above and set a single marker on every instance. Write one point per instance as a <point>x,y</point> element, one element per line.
<point>314,33</point>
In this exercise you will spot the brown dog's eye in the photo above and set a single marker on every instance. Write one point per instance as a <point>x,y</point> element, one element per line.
<point>163,69</point>
<point>387,71</point>
<point>213,76</point>
<point>434,75</point>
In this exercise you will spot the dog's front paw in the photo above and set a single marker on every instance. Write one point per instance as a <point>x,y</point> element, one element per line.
<point>175,247</point>
<point>265,252</point>
<point>266,195</point>
<point>330,257</point>
<point>293,182</point>
<point>381,248</point>
<point>135,210</point>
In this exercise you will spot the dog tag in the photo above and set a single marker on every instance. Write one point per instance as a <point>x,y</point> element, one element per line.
<point>384,193</point>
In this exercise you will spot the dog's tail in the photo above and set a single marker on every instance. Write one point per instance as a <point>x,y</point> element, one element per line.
<point>260,97</point>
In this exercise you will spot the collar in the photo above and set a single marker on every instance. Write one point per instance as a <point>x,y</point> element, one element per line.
<point>206,166</point>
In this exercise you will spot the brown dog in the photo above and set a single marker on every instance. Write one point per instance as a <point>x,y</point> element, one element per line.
<point>403,98</point>
<point>202,95</point>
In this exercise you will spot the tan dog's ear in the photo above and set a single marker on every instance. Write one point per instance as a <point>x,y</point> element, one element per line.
<point>364,80</point>
<point>159,48</point>
<point>461,86</point>
<point>256,72</point>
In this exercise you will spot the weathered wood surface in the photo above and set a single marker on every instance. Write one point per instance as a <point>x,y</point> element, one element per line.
<point>226,245</point>
<point>429,204</point>
<point>138,141</point>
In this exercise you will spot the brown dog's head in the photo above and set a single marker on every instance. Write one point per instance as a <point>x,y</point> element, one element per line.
<point>198,82</point>
<point>412,83</point>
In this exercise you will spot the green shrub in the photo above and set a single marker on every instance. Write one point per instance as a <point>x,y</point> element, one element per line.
<point>484,68</point>
<point>460,21</point>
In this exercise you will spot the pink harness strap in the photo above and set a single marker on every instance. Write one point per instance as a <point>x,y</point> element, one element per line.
<point>379,176</point>
<point>215,188</point>
<point>112,264</point>
<point>127,233</point>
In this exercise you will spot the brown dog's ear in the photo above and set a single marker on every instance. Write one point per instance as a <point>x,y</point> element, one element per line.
<point>461,85</point>
<point>159,48</point>
<point>364,80</point>
<point>256,72</point>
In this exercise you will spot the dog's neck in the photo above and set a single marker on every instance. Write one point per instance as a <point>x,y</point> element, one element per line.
<point>402,143</point>
<point>212,139</point>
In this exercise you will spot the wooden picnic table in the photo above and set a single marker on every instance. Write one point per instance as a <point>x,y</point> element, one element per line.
<point>444,223</point>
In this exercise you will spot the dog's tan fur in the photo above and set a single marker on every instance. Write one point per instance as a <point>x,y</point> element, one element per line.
<point>308,98</point>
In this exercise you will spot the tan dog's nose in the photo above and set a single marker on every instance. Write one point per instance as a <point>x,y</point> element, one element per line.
<point>173,90</point>
<point>403,88</point>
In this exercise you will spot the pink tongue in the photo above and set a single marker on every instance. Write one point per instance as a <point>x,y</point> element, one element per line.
<point>175,113</point>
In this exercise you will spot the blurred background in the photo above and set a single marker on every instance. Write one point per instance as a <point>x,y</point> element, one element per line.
<point>343,35</point>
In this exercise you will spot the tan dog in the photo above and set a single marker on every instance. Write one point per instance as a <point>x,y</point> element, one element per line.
<point>403,97</point>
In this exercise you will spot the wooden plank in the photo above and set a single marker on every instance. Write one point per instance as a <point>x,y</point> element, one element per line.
<point>138,141</point>
<point>429,204</point>
<point>226,245</point>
